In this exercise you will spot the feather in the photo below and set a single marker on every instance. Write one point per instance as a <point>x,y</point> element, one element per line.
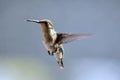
<point>66,38</point>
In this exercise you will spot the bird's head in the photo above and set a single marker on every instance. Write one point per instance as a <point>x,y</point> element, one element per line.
<point>46,22</point>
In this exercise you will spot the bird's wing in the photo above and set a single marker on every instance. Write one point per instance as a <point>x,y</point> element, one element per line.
<point>65,38</point>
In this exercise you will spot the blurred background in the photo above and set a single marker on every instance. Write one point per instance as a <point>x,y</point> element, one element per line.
<point>23,56</point>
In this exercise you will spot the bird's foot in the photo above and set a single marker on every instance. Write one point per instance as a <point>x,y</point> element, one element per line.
<point>50,53</point>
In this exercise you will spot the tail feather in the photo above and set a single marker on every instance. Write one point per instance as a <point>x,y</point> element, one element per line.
<point>60,63</point>
<point>59,59</point>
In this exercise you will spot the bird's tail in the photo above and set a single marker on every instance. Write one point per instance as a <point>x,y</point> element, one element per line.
<point>60,63</point>
<point>59,59</point>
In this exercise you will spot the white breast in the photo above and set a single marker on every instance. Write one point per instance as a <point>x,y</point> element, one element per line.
<point>53,35</point>
<point>49,43</point>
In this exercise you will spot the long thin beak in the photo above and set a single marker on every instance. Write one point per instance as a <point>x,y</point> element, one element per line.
<point>31,20</point>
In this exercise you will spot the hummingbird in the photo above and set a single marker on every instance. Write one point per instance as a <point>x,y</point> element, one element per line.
<point>53,41</point>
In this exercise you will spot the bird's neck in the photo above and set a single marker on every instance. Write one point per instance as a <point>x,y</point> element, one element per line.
<point>48,34</point>
<point>45,29</point>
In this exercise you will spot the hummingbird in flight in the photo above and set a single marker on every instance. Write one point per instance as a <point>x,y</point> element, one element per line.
<point>54,41</point>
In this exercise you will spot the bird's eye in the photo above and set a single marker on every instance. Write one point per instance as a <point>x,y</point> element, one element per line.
<point>50,25</point>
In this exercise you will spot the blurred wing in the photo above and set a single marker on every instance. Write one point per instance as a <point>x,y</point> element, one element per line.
<point>72,37</point>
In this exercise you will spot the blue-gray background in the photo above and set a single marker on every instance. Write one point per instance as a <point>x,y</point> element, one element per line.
<point>22,51</point>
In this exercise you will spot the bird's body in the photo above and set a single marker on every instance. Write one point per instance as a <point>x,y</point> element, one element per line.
<point>49,37</point>
<point>54,41</point>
